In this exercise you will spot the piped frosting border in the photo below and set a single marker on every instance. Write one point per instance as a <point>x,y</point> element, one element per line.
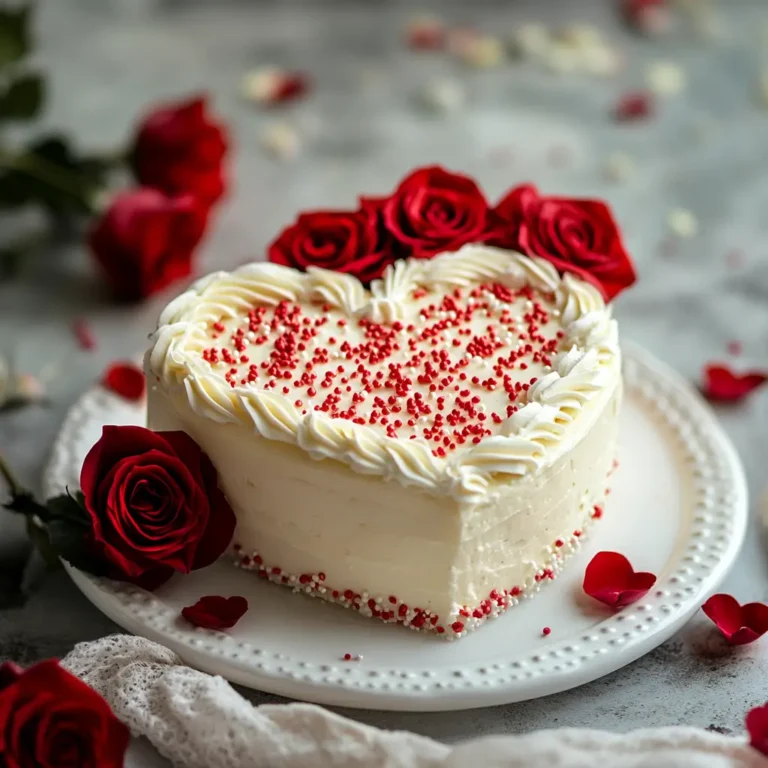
<point>530,437</point>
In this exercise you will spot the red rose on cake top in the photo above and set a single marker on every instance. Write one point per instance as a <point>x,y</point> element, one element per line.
<point>352,242</point>
<point>433,211</point>
<point>578,236</point>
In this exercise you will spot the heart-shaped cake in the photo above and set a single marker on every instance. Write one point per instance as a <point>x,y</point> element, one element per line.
<point>425,451</point>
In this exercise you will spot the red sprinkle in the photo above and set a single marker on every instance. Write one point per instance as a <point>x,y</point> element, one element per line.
<point>546,631</point>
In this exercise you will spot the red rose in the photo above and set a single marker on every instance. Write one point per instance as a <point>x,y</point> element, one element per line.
<point>578,236</point>
<point>350,242</point>
<point>146,240</point>
<point>154,504</point>
<point>434,210</point>
<point>179,149</point>
<point>50,719</point>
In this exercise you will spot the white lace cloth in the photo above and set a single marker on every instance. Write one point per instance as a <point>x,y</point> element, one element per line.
<point>198,721</point>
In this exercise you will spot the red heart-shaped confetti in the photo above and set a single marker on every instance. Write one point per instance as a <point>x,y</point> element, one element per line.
<point>741,624</point>
<point>216,612</point>
<point>757,728</point>
<point>610,578</point>
<point>722,385</point>
<point>126,380</point>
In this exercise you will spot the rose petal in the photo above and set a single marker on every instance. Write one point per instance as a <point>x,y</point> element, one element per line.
<point>216,612</point>
<point>425,34</point>
<point>756,722</point>
<point>632,106</point>
<point>83,334</point>
<point>610,578</point>
<point>650,17</point>
<point>722,385</point>
<point>126,380</point>
<point>741,624</point>
<point>272,85</point>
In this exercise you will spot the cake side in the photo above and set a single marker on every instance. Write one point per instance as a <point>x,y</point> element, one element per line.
<point>394,552</point>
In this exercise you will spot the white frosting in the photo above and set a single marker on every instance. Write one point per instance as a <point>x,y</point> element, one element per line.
<point>529,440</point>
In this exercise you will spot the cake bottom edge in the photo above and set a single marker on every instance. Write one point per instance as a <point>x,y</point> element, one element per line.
<point>391,610</point>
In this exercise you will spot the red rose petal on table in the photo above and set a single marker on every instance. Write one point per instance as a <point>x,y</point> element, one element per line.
<point>610,578</point>
<point>722,385</point>
<point>289,86</point>
<point>756,722</point>
<point>741,624</point>
<point>83,334</point>
<point>216,612</point>
<point>126,380</point>
<point>425,34</point>
<point>637,105</point>
<point>272,85</point>
<point>651,17</point>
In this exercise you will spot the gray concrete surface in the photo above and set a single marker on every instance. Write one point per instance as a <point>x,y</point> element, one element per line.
<point>109,60</point>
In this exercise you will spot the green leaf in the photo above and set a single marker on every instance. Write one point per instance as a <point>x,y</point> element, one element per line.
<point>12,257</point>
<point>25,504</point>
<point>64,507</point>
<point>38,535</point>
<point>51,174</point>
<point>70,542</point>
<point>14,34</point>
<point>23,98</point>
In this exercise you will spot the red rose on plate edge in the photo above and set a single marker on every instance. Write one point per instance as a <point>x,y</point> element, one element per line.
<point>578,236</point>
<point>434,210</point>
<point>50,718</point>
<point>351,242</point>
<point>180,149</point>
<point>146,240</point>
<point>154,505</point>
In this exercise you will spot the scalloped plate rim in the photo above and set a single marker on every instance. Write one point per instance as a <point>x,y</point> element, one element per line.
<point>228,660</point>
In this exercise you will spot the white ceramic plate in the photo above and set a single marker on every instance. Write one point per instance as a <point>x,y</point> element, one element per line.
<point>678,509</point>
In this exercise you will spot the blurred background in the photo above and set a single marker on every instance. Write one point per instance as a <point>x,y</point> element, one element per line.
<point>660,108</point>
